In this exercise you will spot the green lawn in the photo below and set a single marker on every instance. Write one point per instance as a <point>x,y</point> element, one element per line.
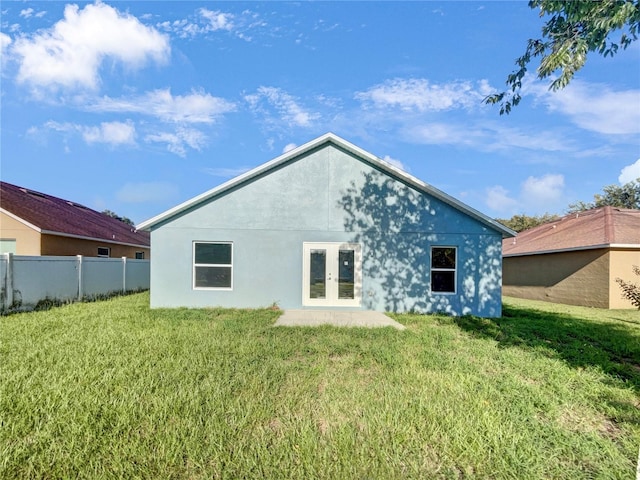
<point>112,389</point>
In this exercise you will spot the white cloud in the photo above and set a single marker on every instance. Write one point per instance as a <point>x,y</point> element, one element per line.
<point>178,141</point>
<point>498,199</point>
<point>545,190</point>
<point>489,137</point>
<point>71,52</point>
<point>594,107</point>
<point>147,192</point>
<point>395,163</point>
<point>288,147</point>
<point>445,134</point>
<point>549,185</point>
<point>288,110</point>
<point>207,21</point>
<point>420,95</point>
<point>113,133</point>
<point>30,12</point>
<point>217,20</point>
<point>197,107</point>
<point>536,195</point>
<point>630,173</point>
<point>5,41</point>
<point>58,127</point>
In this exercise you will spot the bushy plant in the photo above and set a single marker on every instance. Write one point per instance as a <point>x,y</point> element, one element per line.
<point>631,291</point>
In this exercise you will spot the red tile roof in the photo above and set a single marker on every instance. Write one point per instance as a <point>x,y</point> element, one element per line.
<point>63,217</point>
<point>600,227</point>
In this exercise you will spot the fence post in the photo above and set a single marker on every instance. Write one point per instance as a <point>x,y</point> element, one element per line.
<point>80,291</point>
<point>124,274</point>
<point>8,282</point>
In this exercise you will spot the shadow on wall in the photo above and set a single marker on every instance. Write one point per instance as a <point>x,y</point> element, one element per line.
<point>397,227</point>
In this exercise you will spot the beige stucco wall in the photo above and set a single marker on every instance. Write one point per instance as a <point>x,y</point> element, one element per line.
<point>27,239</point>
<point>573,278</point>
<point>622,261</point>
<point>56,245</point>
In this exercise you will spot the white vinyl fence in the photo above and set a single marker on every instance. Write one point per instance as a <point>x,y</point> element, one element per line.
<point>25,280</point>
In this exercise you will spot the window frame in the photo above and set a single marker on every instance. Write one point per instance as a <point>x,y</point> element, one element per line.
<point>440,269</point>
<point>195,265</point>
<point>139,256</point>
<point>108,255</point>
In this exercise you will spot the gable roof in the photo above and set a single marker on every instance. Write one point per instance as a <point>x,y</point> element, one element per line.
<point>326,139</point>
<point>55,216</point>
<point>598,228</point>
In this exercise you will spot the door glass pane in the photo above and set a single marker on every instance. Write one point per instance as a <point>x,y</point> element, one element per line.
<point>346,277</point>
<point>317,276</point>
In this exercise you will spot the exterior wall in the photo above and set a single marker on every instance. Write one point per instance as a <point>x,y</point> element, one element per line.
<point>573,278</point>
<point>329,196</point>
<point>27,239</point>
<point>56,245</point>
<point>622,261</point>
<point>31,242</point>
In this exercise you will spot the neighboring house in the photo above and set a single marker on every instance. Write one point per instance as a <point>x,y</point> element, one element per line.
<point>327,225</point>
<point>34,223</point>
<point>575,260</point>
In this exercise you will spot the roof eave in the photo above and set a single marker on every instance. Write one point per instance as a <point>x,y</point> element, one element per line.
<point>623,246</point>
<point>94,239</point>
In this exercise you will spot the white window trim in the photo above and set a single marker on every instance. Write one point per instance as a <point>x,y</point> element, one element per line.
<point>454,270</point>
<point>193,261</point>
<point>108,255</point>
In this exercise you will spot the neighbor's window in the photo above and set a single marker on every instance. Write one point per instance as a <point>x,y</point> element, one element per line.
<point>8,245</point>
<point>212,265</point>
<point>443,269</point>
<point>104,252</point>
<point>139,255</point>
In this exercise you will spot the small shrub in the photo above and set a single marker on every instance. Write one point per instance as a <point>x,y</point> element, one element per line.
<point>631,291</point>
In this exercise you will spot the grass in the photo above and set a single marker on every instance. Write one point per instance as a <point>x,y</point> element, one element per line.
<point>113,389</point>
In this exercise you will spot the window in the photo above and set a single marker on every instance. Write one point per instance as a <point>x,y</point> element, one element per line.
<point>139,255</point>
<point>7,245</point>
<point>104,252</point>
<point>212,265</point>
<point>443,269</point>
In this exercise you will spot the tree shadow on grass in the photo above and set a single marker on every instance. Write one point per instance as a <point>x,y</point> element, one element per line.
<point>580,343</point>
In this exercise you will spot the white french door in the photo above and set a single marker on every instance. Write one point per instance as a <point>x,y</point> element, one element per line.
<point>332,274</point>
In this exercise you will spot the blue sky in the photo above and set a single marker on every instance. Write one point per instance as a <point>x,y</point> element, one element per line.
<point>138,106</point>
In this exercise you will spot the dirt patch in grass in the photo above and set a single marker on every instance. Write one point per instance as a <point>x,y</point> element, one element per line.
<point>581,420</point>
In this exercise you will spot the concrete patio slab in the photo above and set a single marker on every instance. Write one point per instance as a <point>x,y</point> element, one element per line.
<point>338,318</point>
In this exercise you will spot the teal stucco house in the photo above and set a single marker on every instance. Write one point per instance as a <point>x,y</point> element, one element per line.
<point>327,225</point>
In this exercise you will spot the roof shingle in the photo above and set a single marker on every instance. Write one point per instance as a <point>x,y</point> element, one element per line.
<point>55,215</point>
<point>605,226</point>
